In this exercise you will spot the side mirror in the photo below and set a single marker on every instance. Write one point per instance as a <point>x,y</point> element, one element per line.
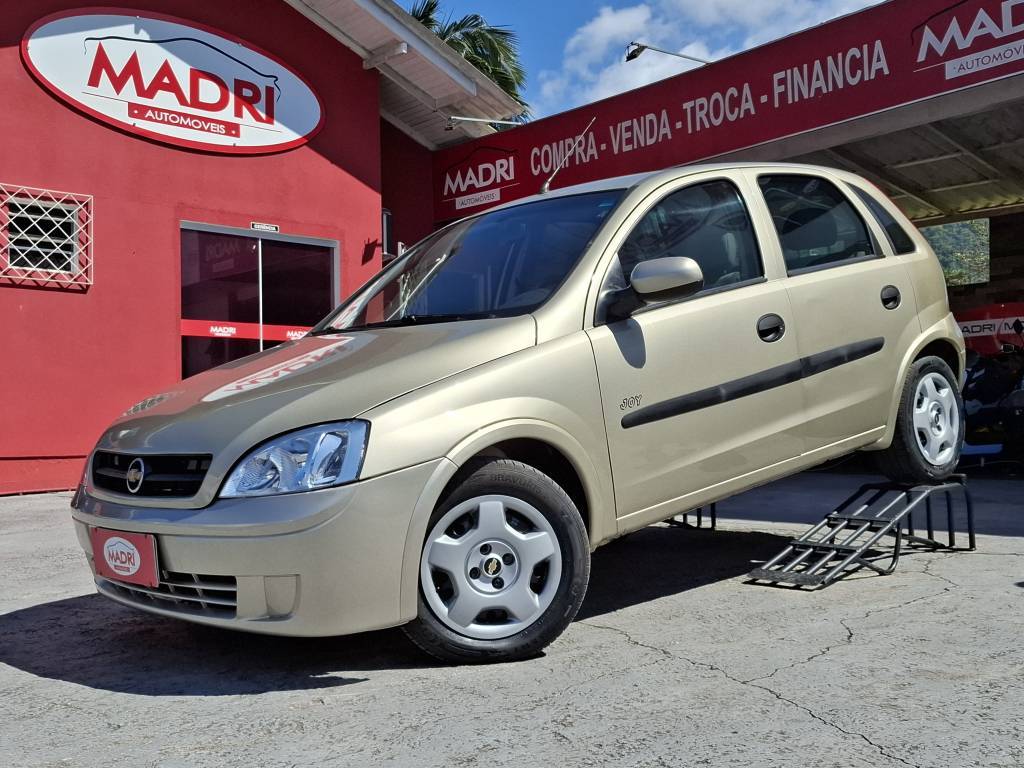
<point>666,279</point>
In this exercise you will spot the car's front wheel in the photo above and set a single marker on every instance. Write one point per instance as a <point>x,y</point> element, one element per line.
<point>929,426</point>
<point>504,566</point>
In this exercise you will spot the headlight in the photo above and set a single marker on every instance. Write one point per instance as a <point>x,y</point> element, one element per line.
<point>304,460</point>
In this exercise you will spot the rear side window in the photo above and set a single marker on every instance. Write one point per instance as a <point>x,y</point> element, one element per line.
<point>899,239</point>
<point>706,222</point>
<point>817,226</point>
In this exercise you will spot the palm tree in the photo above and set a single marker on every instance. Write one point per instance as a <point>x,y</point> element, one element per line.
<point>492,50</point>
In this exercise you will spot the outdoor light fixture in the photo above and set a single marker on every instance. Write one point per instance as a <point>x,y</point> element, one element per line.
<point>454,120</point>
<point>634,49</point>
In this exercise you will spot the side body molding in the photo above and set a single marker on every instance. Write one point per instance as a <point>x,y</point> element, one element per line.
<point>778,376</point>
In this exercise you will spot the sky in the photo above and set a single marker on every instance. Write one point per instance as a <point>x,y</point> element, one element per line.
<point>574,50</point>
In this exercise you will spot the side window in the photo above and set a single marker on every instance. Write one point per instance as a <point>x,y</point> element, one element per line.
<point>817,225</point>
<point>899,239</point>
<point>708,223</point>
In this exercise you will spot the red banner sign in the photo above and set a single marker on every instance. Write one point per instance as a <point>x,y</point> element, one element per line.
<point>986,329</point>
<point>222,329</point>
<point>891,55</point>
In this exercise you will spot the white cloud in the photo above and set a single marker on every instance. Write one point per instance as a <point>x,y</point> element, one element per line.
<point>758,21</point>
<point>594,67</point>
<point>610,29</point>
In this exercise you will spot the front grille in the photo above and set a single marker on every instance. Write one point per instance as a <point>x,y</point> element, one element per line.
<point>191,593</point>
<point>171,476</point>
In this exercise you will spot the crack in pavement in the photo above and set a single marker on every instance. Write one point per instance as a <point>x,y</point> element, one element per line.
<point>417,730</point>
<point>927,570</point>
<point>629,638</point>
<point>608,673</point>
<point>752,683</point>
<point>881,750</point>
<point>848,640</point>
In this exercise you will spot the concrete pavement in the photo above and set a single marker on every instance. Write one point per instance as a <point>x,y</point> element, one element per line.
<point>674,661</point>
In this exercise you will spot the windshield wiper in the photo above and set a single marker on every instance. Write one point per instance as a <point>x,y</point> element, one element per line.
<point>406,321</point>
<point>325,331</point>
<point>427,319</point>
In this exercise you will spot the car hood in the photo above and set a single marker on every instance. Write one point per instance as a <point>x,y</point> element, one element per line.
<point>228,410</point>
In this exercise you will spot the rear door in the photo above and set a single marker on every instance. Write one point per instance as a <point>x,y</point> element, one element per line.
<point>853,305</point>
<point>694,397</point>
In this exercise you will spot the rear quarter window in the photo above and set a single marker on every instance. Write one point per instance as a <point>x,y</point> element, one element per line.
<point>900,241</point>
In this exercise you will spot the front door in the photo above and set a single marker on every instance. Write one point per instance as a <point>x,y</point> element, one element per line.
<point>854,308</point>
<point>241,293</point>
<point>697,393</point>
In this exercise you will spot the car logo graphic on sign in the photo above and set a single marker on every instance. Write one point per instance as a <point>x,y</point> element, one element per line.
<point>135,475</point>
<point>172,80</point>
<point>121,556</point>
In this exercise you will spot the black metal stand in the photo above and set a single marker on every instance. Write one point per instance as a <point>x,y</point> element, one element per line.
<point>850,537</point>
<point>683,520</point>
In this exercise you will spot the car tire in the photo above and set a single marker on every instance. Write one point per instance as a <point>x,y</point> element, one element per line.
<point>929,426</point>
<point>538,517</point>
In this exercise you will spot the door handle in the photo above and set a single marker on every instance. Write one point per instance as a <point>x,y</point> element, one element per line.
<point>771,328</point>
<point>891,297</point>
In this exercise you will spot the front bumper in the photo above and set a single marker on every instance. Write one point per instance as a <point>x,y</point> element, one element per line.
<point>326,562</point>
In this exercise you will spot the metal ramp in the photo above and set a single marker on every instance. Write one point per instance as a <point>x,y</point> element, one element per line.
<point>867,531</point>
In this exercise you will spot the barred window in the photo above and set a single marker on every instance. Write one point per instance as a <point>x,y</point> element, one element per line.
<point>45,237</point>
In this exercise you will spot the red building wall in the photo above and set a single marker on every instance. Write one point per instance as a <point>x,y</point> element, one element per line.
<point>407,180</point>
<point>72,361</point>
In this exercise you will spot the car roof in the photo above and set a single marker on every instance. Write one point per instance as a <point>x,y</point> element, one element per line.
<point>667,174</point>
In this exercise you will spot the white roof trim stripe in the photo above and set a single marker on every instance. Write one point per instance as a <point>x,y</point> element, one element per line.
<point>426,83</point>
<point>412,134</point>
<point>427,51</point>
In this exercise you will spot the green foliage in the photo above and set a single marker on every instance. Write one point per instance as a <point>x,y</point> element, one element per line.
<point>963,250</point>
<point>493,50</point>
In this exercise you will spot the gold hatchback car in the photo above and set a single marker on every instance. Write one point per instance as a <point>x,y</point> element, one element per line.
<point>445,450</point>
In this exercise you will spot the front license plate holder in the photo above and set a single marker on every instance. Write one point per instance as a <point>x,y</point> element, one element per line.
<point>125,556</point>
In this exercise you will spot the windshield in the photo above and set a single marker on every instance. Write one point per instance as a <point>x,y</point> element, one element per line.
<point>495,265</point>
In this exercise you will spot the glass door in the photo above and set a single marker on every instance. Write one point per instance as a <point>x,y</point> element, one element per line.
<point>241,294</point>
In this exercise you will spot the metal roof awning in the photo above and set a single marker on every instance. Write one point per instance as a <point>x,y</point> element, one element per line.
<point>953,157</point>
<point>424,81</point>
<point>948,170</point>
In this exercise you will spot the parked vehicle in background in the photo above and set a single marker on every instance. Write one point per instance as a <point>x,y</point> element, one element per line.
<point>445,449</point>
<point>994,386</point>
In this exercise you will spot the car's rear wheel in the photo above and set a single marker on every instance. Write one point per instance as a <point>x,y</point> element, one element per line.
<point>929,426</point>
<point>504,566</point>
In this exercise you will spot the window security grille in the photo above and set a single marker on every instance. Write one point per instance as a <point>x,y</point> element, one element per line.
<point>45,237</point>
